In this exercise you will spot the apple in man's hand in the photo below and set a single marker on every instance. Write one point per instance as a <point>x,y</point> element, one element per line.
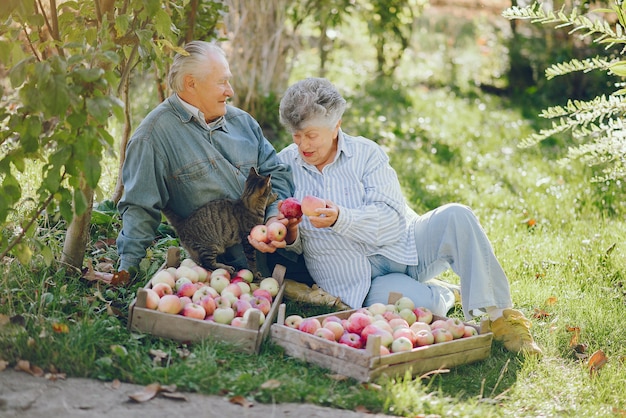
<point>259,233</point>
<point>291,208</point>
<point>276,231</point>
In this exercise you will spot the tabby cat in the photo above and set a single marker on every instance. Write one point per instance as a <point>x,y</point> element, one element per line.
<point>222,223</point>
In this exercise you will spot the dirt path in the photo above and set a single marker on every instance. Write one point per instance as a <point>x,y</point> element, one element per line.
<point>26,396</point>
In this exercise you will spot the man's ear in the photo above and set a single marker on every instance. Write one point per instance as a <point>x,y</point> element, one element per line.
<point>189,83</point>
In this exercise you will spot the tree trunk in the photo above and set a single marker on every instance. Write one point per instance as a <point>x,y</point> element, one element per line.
<point>77,235</point>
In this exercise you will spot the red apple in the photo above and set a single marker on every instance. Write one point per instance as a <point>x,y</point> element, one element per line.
<point>325,333</point>
<point>187,289</point>
<point>439,323</point>
<point>162,289</point>
<point>291,208</point>
<point>262,293</point>
<point>202,292</point>
<point>246,275</point>
<point>276,231</point>
<point>470,331</point>
<point>193,310</point>
<point>418,326</point>
<point>357,321</point>
<point>310,203</point>
<point>396,323</point>
<point>442,335</point>
<point>386,338</point>
<point>310,325</point>
<point>335,327</point>
<point>384,350</point>
<point>221,272</point>
<point>232,288</point>
<point>456,327</point>
<point>169,304</point>
<point>423,314</point>
<point>241,306</point>
<point>351,339</point>
<point>424,337</point>
<point>407,333</point>
<point>261,304</point>
<point>259,233</point>
<point>208,303</point>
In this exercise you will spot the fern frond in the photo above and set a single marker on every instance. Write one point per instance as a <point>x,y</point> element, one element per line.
<point>574,65</point>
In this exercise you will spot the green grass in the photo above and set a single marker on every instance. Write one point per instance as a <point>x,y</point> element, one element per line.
<point>447,145</point>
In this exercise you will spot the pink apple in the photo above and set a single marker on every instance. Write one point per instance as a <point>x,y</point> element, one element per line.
<point>208,303</point>
<point>241,306</point>
<point>330,318</point>
<point>270,284</point>
<point>325,333</point>
<point>423,314</point>
<point>291,208</point>
<point>152,299</point>
<point>293,321</point>
<point>169,304</point>
<point>187,289</point>
<point>395,323</point>
<point>188,262</point>
<point>203,274</point>
<point>310,325</point>
<point>424,337</point>
<point>232,288</point>
<point>351,339</point>
<point>244,286</point>
<point>442,335</point>
<point>456,327</point>
<point>276,231</point>
<point>357,321</point>
<point>383,324</point>
<point>193,310</point>
<point>181,281</point>
<point>401,344</point>
<point>163,276</point>
<point>407,333</point>
<point>259,233</point>
<point>439,323</point>
<point>246,275</point>
<point>335,327</point>
<point>219,282</point>
<point>384,350</point>
<point>162,289</point>
<point>262,304</point>
<point>386,337</point>
<point>470,331</point>
<point>389,315</point>
<point>221,272</point>
<point>310,203</point>
<point>224,315</point>
<point>262,293</point>
<point>238,322</point>
<point>418,326</point>
<point>246,315</point>
<point>184,300</point>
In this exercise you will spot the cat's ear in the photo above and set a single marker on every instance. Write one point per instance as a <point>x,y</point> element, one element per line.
<point>254,171</point>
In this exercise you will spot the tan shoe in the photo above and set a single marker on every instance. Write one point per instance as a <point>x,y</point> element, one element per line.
<point>513,330</point>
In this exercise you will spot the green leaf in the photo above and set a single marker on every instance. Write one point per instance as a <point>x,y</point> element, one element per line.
<point>89,74</point>
<point>56,101</point>
<point>99,108</point>
<point>17,74</point>
<point>65,206</point>
<point>92,170</point>
<point>80,202</point>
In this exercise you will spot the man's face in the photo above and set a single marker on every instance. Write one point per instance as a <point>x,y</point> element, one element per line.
<point>211,91</point>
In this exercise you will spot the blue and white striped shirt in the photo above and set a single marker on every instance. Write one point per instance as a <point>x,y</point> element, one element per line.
<point>373,217</point>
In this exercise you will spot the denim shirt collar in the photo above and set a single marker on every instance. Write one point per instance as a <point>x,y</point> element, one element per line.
<point>188,111</point>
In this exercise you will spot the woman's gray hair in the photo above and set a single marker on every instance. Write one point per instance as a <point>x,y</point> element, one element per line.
<point>195,62</point>
<point>312,101</point>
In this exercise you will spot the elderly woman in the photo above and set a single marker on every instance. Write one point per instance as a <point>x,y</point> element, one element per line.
<point>367,242</point>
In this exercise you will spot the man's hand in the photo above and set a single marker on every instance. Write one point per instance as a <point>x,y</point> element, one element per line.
<point>292,233</point>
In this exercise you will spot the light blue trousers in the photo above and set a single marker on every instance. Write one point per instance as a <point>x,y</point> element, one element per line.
<point>447,237</point>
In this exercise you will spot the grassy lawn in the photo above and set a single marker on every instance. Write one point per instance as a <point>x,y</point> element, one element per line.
<point>558,236</point>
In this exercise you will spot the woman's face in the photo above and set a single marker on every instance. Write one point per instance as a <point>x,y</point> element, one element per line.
<point>317,145</point>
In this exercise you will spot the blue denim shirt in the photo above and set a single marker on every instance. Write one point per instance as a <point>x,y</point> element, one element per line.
<point>174,161</point>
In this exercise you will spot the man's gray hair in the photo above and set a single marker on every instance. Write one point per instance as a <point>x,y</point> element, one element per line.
<point>312,101</point>
<point>195,62</point>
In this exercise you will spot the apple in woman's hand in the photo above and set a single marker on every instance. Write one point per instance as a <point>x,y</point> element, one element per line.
<point>310,203</point>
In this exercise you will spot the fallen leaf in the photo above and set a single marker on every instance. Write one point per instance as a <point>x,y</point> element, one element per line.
<point>60,328</point>
<point>3,365</point>
<point>337,377</point>
<point>575,335</point>
<point>177,396</point>
<point>361,409</point>
<point>371,386</point>
<point>25,366</point>
<point>541,314</point>
<point>157,356</point>
<point>270,384</point>
<point>551,301</point>
<point>116,384</point>
<point>147,393</point>
<point>597,361</point>
<point>4,320</point>
<point>53,377</point>
<point>240,400</point>
<point>118,278</point>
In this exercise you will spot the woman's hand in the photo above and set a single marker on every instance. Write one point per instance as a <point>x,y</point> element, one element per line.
<point>326,216</point>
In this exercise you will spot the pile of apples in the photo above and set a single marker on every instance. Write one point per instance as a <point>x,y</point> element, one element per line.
<point>192,291</point>
<point>291,208</point>
<point>401,326</point>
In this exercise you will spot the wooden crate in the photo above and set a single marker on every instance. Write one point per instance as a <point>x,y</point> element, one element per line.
<point>367,364</point>
<point>184,329</point>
